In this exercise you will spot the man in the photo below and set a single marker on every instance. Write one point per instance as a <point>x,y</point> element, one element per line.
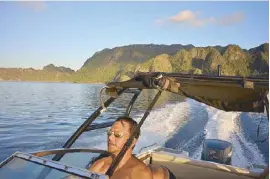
<point>129,167</point>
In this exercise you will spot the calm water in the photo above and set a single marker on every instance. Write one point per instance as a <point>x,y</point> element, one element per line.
<point>38,116</point>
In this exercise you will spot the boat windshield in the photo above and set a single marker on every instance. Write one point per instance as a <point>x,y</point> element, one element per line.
<point>27,166</point>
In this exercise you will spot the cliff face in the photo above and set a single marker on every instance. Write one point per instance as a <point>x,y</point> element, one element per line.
<point>122,63</point>
<point>132,54</point>
<point>53,68</point>
<point>236,61</point>
<point>259,59</point>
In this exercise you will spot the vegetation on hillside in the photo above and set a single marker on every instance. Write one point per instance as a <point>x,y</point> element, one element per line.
<point>122,63</point>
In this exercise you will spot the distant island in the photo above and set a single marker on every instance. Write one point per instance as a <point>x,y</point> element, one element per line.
<point>121,63</point>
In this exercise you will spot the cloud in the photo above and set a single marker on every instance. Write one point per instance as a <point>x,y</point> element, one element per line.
<point>195,19</point>
<point>186,17</point>
<point>159,22</point>
<point>183,16</point>
<point>232,19</point>
<point>34,5</point>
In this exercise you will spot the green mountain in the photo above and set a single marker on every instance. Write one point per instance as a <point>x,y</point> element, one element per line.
<point>107,64</point>
<point>131,54</point>
<point>122,63</point>
<point>30,74</point>
<point>53,68</point>
<point>260,59</point>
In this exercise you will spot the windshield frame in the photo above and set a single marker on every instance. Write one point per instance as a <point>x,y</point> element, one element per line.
<point>55,165</point>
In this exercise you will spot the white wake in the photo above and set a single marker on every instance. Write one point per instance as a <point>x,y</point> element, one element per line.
<point>225,126</point>
<point>162,123</point>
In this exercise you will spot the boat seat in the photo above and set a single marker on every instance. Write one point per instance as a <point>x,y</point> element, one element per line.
<point>185,168</point>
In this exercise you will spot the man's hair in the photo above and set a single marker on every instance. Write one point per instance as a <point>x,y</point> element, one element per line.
<point>132,123</point>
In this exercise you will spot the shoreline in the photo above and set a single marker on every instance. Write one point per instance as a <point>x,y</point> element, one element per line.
<point>51,82</point>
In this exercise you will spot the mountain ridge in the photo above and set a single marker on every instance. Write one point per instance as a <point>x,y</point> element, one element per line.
<point>119,63</point>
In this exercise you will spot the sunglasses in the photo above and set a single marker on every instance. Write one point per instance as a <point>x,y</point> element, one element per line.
<point>116,134</point>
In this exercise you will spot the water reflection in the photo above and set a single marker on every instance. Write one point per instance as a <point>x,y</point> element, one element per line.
<point>37,116</point>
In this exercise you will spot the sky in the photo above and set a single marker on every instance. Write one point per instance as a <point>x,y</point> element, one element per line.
<point>35,34</point>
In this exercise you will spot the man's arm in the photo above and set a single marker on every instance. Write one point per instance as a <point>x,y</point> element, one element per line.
<point>97,166</point>
<point>141,172</point>
<point>158,172</point>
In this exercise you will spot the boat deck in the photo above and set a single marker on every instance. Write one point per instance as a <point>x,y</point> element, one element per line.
<point>186,168</point>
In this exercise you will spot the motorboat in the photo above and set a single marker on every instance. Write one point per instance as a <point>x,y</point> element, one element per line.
<point>227,93</point>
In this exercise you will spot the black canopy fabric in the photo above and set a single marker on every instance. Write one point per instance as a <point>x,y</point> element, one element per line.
<point>222,92</point>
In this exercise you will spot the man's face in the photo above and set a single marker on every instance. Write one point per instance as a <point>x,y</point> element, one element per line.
<point>121,130</point>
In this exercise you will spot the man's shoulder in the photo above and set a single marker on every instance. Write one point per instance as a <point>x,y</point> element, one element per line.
<point>140,169</point>
<point>136,162</point>
<point>100,162</point>
<point>141,172</point>
<point>103,160</point>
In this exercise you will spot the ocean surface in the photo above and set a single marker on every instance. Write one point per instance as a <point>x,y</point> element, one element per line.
<point>37,116</point>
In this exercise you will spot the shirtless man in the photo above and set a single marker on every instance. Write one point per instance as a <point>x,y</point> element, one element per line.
<point>129,167</point>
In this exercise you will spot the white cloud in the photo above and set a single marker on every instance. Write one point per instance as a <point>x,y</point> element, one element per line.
<point>195,19</point>
<point>231,19</point>
<point>183,16</point>
<point>186,17</point>
<point>34,5</point>
<point>159,22</point>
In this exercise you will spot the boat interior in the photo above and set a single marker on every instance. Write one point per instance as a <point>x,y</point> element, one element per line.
<point>186,168</point>
<point>74,165</point>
